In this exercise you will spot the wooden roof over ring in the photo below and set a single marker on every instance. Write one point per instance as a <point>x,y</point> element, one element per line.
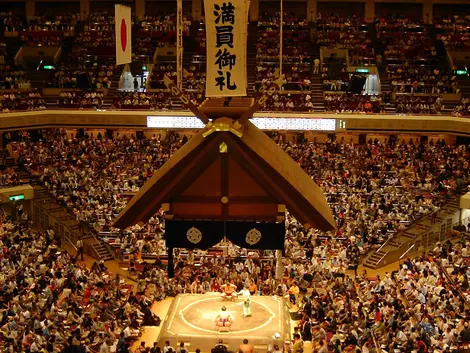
<point>236,161</point>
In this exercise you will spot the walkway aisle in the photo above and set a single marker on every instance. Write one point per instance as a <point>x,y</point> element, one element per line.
<point>151,333</point>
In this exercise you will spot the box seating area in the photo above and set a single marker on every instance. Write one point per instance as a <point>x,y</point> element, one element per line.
<point>463,108</point>
<point>52,287</point>
<point>11,76</point>
<point>195,75</point>
<point>296,38</point>
<point>297,60</point>
<point>143,101</point>
<point>81,100</point>
<point>350,33</point>
<point>12,22</point>
<point>301,102</point>
<point>18,101</point>
<point>96,42</point>
<point>158,73</point>
<point>156,31</point>
<point>353,103</point>
<point>136,261</point>
<point>454,32</point>
<point>408,55</point>
<point>162,30</point>
<point>66,75</point>
<point>410,104</point>
<point>422,79</point>
<point>49,31</point>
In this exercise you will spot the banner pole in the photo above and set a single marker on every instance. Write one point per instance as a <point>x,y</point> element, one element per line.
<point>179,44</point>
<point>281,26</point>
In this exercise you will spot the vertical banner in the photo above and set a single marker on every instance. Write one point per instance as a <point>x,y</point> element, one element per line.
<point>245,41</point>
<point>123,25</point>
<point>226,35</point>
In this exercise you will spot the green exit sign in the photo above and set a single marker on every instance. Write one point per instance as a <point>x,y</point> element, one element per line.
<point>17,197</point>
<point>48,67</point>
<point>362,70</point>
<point>460,72</point>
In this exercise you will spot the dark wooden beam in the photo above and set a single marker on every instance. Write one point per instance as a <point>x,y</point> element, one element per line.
<point>233,199</point>
<point>215,217</point>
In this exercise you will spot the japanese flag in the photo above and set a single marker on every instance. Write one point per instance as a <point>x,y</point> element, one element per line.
<point>123,34</point>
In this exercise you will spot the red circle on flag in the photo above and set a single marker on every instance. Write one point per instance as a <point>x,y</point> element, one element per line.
<point>123,35</point>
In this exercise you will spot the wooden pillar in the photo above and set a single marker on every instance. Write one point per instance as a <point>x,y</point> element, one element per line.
<point>369,13</point>
<point>140,9</point>
<point>427,12</point>
<point>311,10</point>
<point>254,10</point>
<point>84,9</point>
<point>196,9</point>
<point>30,9</point>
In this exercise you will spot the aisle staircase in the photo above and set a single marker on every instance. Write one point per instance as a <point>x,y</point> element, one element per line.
<point>251,58</point>
<point>102,250</point>
<point>464,84</point>
<point>317,93</point>
<point>316,86</point>
<point>63,218</point>
<point>420,236</point>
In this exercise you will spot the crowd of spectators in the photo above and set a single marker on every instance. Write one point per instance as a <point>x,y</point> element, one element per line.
<point>453,31</point>
<point>195,78</point>
<point>195,75</point>
<point>413,47</point>
<point>158,73</point>
<point>334,31</point>
<point>8,177</point>
<point>296,75</point>
<point>422,79</point>
<point>49,31</point>
<point>157,31</point>
<point>81,99</point>
<point>416,104</point>
<point>11,22</point>
<point>289,102</point>
<point>374,190</point>
<point>463,108</point>
<point>97,41</point>
<point>49,302</point>
<point>165,23</point>
<point>399,23</point>
<point>415,308</point>
<point>200,41</point>
<point>297,60</point>
<point>338,83</point>
<point>389,191</point>
<point>143,100</point>
<point>27,100</point>
<point>12,77</point>
<point>354,103</point>
<point>66,75</point>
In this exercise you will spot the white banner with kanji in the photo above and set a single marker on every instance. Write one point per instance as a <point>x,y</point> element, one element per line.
<point>123,34</point>
<point>226,35</point>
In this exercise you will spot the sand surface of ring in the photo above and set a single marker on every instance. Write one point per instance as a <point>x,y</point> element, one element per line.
<point>202,314</point>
